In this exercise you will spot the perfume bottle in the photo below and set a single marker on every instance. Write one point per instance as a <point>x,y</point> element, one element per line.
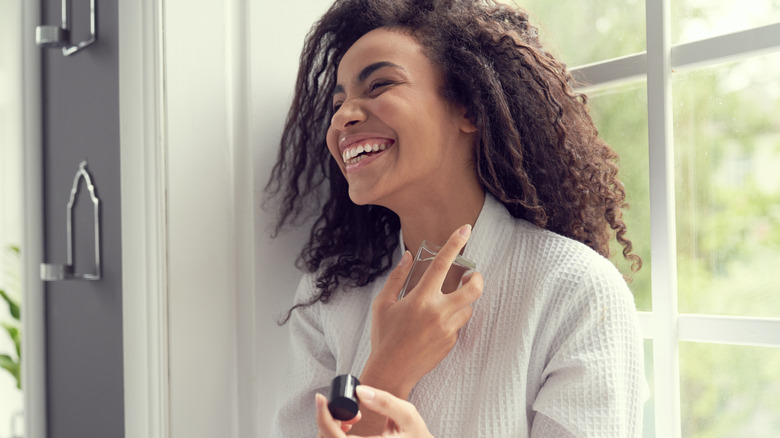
<point>425,255</point>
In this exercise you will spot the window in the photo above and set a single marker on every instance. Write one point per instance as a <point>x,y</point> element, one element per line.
<point>687,92</point>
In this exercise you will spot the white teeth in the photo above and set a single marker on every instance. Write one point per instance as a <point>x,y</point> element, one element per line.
<point>352,156</point>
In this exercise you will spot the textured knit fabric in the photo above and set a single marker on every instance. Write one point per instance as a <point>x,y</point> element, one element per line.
<point>553,348</point>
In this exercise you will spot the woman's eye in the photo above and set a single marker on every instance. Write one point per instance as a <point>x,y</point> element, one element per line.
<point>378,84</point>
<point>336,107</point>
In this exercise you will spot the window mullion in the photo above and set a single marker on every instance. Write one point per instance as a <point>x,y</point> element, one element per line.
<point>729,47</point>
<point>662,220</point>
<point>732,330</point>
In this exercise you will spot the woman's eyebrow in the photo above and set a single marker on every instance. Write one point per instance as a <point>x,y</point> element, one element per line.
<point>366,72</point>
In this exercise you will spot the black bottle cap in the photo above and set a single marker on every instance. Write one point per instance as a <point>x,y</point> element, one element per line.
<point>343,403</point>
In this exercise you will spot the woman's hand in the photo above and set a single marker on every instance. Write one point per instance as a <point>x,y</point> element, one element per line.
<point>403,420</point>
<point>409,337</point>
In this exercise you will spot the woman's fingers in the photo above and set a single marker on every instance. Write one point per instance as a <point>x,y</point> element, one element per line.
<point>470,291</point>
<point>346,425</point>
<point>328,427</point>
<point>402,415</point>
<point>434,276</point>
<point>395,280</point>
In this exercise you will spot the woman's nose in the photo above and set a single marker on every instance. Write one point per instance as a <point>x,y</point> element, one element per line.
<point>349,113</point>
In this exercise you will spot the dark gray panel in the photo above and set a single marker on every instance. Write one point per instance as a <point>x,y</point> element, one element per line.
<point>84,318</point>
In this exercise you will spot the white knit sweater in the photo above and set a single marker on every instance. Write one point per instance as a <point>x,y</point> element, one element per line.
<point>553,348</point>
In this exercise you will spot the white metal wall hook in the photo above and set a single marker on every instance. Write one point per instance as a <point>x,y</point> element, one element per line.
<point>54,272</point>
<point>54,37</point>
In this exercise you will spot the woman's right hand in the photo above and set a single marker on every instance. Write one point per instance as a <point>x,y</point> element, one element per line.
<point>409,337</point>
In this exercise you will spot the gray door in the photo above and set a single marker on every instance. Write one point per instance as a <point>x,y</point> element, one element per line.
<point>83,318</point>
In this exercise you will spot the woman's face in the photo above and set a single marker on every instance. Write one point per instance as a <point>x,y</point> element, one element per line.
<point>394,136</point>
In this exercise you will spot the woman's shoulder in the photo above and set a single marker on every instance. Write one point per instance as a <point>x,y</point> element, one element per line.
<point>559,264</point>
<point>341,302</point>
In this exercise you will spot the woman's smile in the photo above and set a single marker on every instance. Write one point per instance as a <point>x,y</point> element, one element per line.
<point>360,155</point>
<point>358,150</point>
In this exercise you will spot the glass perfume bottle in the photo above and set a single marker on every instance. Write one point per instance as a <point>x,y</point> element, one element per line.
<point>425,255</point>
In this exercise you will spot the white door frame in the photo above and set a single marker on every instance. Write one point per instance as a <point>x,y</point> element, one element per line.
<point>187,219</point>
<point>144,243</point>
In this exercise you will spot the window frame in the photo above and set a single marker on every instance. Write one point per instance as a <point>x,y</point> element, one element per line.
<point>665,326</point>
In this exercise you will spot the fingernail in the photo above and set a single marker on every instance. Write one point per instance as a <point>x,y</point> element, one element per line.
<point>405,259</point>
<point>465,230</point>
<point>365,393</point>
<point>319,399</point>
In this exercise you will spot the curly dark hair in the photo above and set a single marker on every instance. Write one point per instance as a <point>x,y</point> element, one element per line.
<point>536,148</point>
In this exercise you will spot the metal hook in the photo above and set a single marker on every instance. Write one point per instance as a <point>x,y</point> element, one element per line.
<point>54,272</point>
<point>51,36</point>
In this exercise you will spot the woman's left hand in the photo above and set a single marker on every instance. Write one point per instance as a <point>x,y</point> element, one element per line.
<point>403,420</point>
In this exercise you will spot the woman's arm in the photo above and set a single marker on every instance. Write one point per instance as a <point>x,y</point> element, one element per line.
<point>594,382</point>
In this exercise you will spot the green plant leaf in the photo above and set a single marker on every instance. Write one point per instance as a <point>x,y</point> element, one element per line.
<point>13,306</point>
<point>12,367</point>
<point>12,330</point>
<point>16,336</point>
<point>18,344</point>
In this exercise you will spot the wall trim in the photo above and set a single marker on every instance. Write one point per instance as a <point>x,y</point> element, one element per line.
<point>209,209</point>
<point>238,88</point>
<point>144,219</point>
<point>33,310</point>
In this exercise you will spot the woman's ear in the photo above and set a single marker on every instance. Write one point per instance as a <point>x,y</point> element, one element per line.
<point>468,126</point>
<point>465,122</point>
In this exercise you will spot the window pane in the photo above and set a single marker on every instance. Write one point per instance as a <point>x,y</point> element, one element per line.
<point>620,114</point>
<point>694,20</point>
<point>582,32</point>
<point>727,171</point>
<point>729,391</point>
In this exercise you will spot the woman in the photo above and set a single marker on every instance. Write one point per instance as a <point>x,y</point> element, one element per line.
<point>425,120</point>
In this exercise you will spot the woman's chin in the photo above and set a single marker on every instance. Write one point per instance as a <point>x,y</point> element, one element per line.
<point>360,197</point>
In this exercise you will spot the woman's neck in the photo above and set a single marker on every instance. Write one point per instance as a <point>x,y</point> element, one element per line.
<point>435,219</point>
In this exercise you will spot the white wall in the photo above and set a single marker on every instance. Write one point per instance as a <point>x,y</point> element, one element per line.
<point>277,33</point>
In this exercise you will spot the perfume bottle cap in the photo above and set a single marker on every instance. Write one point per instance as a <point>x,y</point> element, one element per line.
<point>343,402</point>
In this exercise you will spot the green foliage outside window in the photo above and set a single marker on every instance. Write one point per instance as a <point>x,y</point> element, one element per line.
<point>727,190</point>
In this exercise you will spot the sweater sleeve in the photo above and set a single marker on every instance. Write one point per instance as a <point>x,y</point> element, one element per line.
<point>594,382</point>
<point>310,365</point>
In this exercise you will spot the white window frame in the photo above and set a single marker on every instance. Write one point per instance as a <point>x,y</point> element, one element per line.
<point>665,326</point>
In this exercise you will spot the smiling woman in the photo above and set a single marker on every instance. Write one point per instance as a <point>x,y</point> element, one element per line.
<point>384,82</point>
<point>447,121</point>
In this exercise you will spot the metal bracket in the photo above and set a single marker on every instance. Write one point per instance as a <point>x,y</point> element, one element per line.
<point>53,37</point>
<point>52,272</point>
